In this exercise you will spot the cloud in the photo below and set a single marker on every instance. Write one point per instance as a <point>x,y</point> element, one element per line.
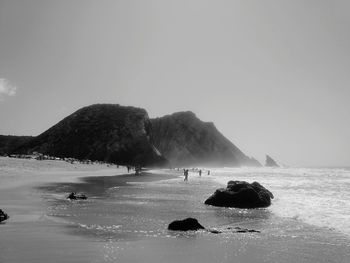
<point>6,88</point>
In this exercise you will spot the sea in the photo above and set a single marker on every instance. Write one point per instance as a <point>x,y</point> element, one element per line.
<point>316,196</point>
<point>309,219</point>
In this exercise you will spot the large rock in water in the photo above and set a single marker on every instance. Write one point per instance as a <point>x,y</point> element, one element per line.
<point>270,162</point>
<point>103,132</point>
<point>186,140</point>
<point>241,194</point>
<point>185,225</point>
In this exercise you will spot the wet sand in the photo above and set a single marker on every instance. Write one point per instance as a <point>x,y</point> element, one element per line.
<point>30,235</point>
<point>125,220</point>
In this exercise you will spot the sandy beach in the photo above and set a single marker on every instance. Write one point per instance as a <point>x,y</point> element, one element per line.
<point>31,235</point>
<point>125,220</point>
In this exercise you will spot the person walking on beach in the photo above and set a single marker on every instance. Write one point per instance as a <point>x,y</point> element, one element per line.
<point>200,172</point>
<point>208,172</point>
<point>138,170</point>
<point>186,175</point>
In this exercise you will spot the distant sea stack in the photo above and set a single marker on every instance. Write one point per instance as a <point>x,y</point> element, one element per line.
<point>185,140</point>
<point>103,132</point>
<point>270,162</point>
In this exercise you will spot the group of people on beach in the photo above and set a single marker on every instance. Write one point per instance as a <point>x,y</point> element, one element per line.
<point>186,171</point>
<point>137,169</point>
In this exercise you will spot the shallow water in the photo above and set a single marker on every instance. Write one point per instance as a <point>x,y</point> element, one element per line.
<point>130,218</point>
<point>317,196</point>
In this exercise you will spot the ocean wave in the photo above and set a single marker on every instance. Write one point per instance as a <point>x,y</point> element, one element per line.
<point>317,196</point>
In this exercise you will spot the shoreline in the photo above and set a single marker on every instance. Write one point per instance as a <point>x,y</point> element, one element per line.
<point>29,234</point>
<point>30,229</point>
<point>38,174</point>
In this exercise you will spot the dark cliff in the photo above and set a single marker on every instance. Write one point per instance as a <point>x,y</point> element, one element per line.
<point>103,132</point>
<point>125,135</point>
<point>186,140</point>
<point>9,143</point>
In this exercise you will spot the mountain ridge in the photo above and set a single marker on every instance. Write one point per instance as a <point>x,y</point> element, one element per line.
<point>103,132</point>
<point>126,135</point>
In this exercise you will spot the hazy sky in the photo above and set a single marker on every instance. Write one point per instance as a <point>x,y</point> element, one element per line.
<point>274,76</point>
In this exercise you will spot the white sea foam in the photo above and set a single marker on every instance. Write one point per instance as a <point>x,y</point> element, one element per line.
<point>319,197</point>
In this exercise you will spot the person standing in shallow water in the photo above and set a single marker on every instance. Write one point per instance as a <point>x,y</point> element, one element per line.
<point>200,172</point>
<point>186,175</point>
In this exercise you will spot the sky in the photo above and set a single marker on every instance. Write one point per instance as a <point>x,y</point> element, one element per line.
<point>274,76</point>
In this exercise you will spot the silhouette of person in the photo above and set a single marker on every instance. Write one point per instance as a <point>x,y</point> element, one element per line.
<point>186,175</point>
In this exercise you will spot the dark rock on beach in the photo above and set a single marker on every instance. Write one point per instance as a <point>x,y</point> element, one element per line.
<point>238,229</point>
<point>270,162</point>
<point>74,196</point>
<point>214,231</point>
<point>185,225</point>
<point>241,194</point>
<point>3,216</point>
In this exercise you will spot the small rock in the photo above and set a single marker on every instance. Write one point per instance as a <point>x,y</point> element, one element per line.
<point>214,231</point>
<point>185,225</point>
<point>238,229</point>
<point>74,196</point>
<point>3,216</point>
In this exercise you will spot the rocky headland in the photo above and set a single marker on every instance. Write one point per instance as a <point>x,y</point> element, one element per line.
<point>127,136</point>
<point>186,140</point>
<point>103,132</point>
